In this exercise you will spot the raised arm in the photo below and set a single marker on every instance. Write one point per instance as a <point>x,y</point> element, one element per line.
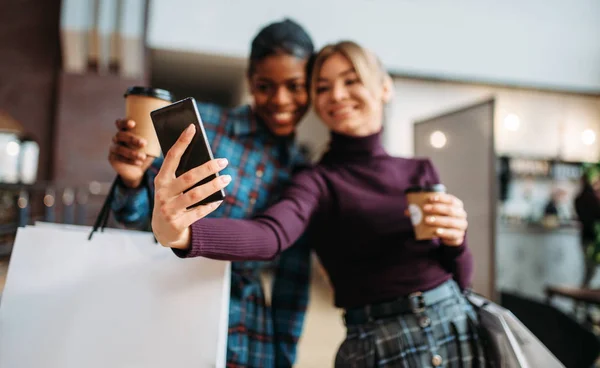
<point>264,236</point>
<point>187,232</point>
<point>130,204</point>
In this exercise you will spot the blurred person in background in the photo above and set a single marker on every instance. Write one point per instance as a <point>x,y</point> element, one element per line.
<point>402,298</point>
<point>587,207</point>
<point>556,210</point>
<point>258,139</point>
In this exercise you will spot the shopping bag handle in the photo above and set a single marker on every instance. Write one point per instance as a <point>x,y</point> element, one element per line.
<point>102,219</point>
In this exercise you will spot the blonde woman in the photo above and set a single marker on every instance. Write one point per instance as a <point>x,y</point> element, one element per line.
<point>402,297</point>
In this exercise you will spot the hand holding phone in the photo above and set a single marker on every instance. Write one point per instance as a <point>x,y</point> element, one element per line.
<point>173,214</point>
<point>170,122</point>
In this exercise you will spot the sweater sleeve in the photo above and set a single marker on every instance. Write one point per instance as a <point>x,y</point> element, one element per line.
<point>267,234</point>
<point>456,259</point>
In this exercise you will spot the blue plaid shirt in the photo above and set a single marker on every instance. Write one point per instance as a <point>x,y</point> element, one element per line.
<point>260,164</point>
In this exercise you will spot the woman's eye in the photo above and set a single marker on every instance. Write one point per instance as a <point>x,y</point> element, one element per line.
<point>321,89</point>
<point>263,88</point>
<point>297,87</point>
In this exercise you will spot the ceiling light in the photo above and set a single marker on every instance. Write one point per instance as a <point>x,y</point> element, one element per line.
<point>588,137</point>
<point>512,122</point>
<point>438,139</point>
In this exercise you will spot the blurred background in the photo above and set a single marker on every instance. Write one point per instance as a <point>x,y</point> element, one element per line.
<point>504,96</point>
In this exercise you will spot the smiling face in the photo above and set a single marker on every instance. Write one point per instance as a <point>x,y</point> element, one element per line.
<point>349,96</point>
<point>278,85</point>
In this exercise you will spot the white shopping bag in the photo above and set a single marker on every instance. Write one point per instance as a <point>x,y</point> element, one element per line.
<point>118,300</point>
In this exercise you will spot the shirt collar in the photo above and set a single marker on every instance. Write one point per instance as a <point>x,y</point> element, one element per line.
<point>242,121</point>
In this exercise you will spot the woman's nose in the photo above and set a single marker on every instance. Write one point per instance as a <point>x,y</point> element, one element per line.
<point>282,96</point>
<point>338,92</point>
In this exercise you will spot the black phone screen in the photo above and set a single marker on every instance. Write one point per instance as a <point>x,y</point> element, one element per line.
<point>169,122</point>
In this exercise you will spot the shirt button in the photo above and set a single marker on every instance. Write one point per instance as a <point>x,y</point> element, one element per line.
<point>436,360</point>
<point>259,173</point>
<point>424,322</point>
<point>252,201</point>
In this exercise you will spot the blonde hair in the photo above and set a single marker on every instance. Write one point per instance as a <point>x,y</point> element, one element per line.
<point>369,69</point>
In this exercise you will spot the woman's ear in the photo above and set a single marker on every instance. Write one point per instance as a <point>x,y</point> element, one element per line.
<point>388,89</point>
<point>249,83</point>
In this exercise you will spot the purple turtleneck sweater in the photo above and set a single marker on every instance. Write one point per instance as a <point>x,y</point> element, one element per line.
<point>352,202</point>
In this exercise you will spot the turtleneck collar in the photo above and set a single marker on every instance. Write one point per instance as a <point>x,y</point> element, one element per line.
<point>348,148</point>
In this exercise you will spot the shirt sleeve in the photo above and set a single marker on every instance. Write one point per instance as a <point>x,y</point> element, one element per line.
<point>290,292</point>
<point>266,235</point>
<point>131,206</point>
<point>456,259</point>
<point>289,300</point>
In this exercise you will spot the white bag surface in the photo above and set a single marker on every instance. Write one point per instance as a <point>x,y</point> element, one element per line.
<point>119,300</point>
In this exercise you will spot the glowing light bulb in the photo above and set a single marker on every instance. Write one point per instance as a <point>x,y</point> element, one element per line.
<point>438,139</point>
<point>512,122</point>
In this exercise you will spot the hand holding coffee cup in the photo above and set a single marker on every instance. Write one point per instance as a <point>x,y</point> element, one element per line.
<point>135,145</point>
<point>436,214</point>
<point>125,154</point>
<point>139,102</point>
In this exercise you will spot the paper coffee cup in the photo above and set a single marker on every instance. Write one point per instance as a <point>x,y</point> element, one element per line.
<point>139,102</point>
<point>417,197</point>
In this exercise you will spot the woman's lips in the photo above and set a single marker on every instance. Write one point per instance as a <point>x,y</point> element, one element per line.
<point>283,117</point>
<point>342,111</point>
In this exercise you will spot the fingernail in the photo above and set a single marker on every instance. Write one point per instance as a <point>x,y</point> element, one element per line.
<point>430,219</point>
<point>225,179</point>
<point>216,204</point>
<point>190,128</point>
<point>427,207</point>
<point>138,163</point>
<point>142,142</point>
<point>222,162</point>
<point>439,231</point>
<point>435,198</point>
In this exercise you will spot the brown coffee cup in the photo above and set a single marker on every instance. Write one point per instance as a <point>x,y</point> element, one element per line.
<point>417,197</point>
<point>139,102</point>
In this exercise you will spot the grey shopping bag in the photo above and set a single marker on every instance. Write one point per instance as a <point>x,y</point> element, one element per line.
<point>509,343</point>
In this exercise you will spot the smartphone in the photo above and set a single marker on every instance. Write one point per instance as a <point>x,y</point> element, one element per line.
<point>169,122</point>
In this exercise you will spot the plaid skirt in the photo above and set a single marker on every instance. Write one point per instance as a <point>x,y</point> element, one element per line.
<point>443,334</point>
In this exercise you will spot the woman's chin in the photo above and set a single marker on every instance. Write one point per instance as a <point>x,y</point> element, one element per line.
<point>281,129</point>
<point>344,127</point>
<point>344,130</point>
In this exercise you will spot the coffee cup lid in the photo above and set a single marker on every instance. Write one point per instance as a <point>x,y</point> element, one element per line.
<point>162,94</point>
<point>426,188</point>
